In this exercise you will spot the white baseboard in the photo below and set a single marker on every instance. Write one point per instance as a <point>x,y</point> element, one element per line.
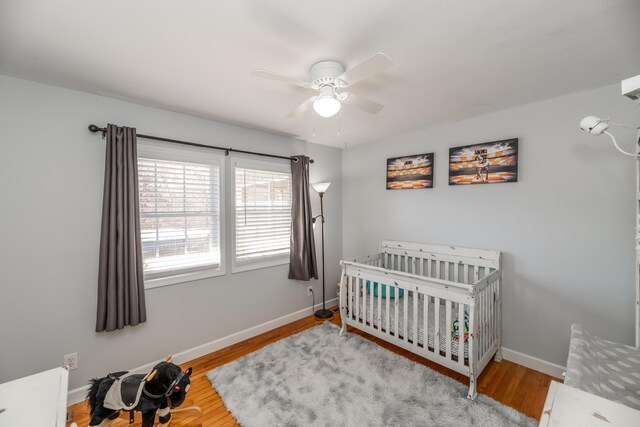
<point>533,363</point>
<point>78,395</point>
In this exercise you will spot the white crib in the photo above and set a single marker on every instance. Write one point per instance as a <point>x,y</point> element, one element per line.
<point>440,284</point>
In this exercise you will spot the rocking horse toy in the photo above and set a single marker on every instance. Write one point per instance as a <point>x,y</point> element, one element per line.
<point>164,388</point>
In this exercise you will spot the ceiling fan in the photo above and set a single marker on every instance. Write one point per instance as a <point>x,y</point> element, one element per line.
<point>331,81</point>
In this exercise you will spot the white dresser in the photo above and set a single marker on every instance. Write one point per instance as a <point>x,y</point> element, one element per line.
<point>36,400</point>
<point>568,406</point>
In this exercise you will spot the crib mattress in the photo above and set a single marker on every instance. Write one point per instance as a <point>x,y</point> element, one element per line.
<point>443,327</point>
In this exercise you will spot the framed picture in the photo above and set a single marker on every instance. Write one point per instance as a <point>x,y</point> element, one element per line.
<point>487,163</point>
<point>410,172</point>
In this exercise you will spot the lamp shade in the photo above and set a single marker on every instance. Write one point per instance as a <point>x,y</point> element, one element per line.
<point>326,106</point>
<point>321,187</point>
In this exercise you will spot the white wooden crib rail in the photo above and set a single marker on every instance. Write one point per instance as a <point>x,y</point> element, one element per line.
<point>457,281</point>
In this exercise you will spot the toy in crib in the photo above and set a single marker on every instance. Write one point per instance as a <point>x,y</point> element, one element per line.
<point>160,391</point>
<point>455,328</point>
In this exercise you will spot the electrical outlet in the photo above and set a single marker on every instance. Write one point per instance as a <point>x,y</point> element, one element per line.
<point>309,291</point>
<point>71,361</point>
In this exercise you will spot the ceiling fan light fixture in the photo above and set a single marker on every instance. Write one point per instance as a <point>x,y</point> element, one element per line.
<point>326,106</point>
<point>329,79</point>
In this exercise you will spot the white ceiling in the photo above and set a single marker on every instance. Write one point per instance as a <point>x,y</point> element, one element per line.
<point>454,59</point>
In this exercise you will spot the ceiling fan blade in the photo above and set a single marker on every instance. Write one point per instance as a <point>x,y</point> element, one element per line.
<point>302,108</point>
<point>277,77</point>
<point>363,104</point>
<point>370,66</point>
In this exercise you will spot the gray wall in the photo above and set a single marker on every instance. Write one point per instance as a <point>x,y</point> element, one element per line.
<point>51,171</point>
<point>566,228</point>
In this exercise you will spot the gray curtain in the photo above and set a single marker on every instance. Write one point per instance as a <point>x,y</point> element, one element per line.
<point>120,277</point>
<point>302,263</point>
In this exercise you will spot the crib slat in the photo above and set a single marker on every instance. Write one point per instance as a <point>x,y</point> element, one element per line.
<point>436,325</point>
<point>357,300</point>
<point>493,311</point>
<point>380,305</point>
<point>415,318</point>
<point>364,300</point>
<point>461,335</point>
<point>494,297</point>
<point>447,267</point>
<point>487,302</point>
<point>405,316</point>
<point>482,329</point>
<point>447,330</point>
<point>396,302</point>
<point>487,315</point>
<point>466,274</point>
<point>438,269</point>
<point>490,314</point>
<point>456,272</point>
<point>479,330</point>
<point>371,288</point>
<point>425,320</point>
<point>485,336</point>
<point>388,316</point>
<point>350,300</point>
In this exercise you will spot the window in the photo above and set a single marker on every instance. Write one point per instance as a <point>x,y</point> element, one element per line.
<point>262,214</point>
<point>180,213</point>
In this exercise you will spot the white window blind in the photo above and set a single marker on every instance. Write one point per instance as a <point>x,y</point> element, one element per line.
<point>179,215</point>
<point>262,215</point>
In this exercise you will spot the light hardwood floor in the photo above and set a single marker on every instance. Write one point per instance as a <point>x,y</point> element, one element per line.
<point>514,385</point>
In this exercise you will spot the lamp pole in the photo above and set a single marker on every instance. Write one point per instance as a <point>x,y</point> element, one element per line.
<point>323,313</point>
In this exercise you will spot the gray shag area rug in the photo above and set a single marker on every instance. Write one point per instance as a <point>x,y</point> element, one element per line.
<point>316,378</point>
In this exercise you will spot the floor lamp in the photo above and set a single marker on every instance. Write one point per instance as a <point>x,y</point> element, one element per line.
<point>321,188</point>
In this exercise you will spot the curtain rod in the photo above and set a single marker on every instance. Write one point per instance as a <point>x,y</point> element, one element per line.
<point>94,129</point>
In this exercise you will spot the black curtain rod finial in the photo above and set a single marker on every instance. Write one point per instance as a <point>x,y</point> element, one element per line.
<point>94,129</point>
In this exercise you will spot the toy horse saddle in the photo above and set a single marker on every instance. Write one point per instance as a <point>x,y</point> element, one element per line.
<point>125,391</point>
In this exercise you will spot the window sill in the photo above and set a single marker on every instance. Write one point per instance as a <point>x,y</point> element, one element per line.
<point>256,265</point>
<point>191,276</point>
